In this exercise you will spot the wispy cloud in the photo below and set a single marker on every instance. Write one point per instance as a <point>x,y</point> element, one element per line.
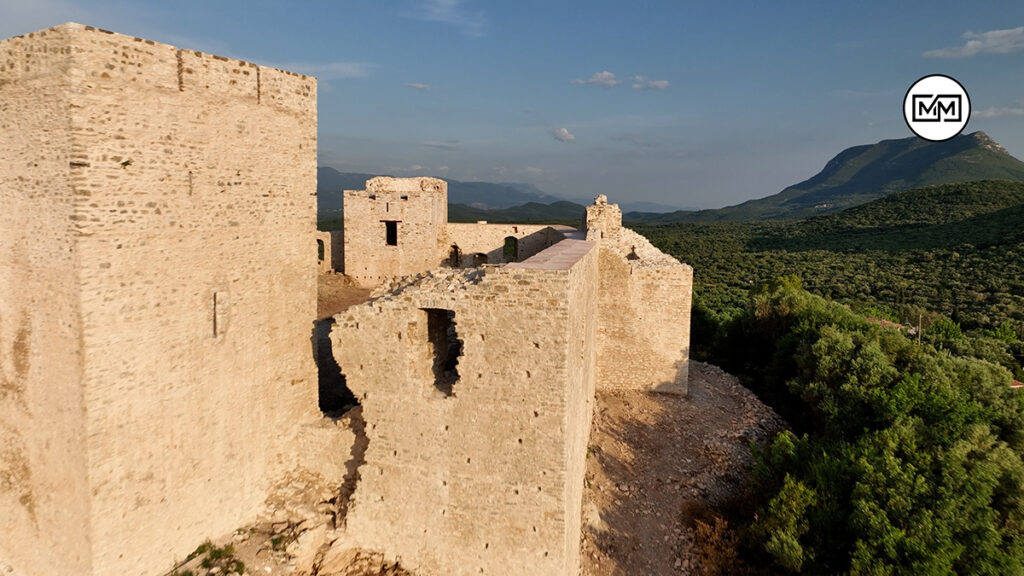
<point>1017,110</point>
<point>563,135</point>
<point>418,86</point>
<point>643,83</point>
<point>991,42</point>
<point>604,79</point>
<point>327,71</point>
<point>449,146</point>
<point>399,169</point>
<point>452,12</point>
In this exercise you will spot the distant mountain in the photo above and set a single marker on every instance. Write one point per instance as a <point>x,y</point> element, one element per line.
<point>329,186</point>
<point>485,195</point>
<point>555,212</point>
<point>864,173</point>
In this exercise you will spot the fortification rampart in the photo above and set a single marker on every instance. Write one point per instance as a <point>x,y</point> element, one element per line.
<point>463,472</point>
<point>154,270</point>
<point>643,311</point>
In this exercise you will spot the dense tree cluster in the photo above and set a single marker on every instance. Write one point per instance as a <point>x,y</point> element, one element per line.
<point>944,253</point>
<point>905,455</point>
<point>904,459</point>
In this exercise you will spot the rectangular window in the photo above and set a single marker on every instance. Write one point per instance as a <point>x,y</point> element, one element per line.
<point>391,232</point>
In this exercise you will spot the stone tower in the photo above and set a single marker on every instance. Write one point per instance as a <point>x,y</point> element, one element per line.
<point>157,293</point>
<point>394,227</point>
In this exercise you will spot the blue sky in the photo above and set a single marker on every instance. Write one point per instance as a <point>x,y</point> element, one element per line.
<point>683,103</point>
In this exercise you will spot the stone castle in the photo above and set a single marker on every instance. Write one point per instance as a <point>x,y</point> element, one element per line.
<point>158,294</point>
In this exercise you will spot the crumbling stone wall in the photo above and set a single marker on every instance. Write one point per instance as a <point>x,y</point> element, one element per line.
<point>394,228</point>
<point>644,308</point>
<point>155,271</point>
<point>486,476</point>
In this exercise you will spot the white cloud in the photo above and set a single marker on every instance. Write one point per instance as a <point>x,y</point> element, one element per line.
<point>450,12</point>
<point>642,83</point>
<point>604,79</point>
<point>563,135</point>
<point>991,42</point>
<point>327,71</point>
<point>418,86</point>
<point>442,168</point>
<point>448,146</point>
<point>1017,110</point>
<point>532,170</point>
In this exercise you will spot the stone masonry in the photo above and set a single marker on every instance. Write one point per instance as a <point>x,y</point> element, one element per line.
<point>157,293</point>
<point>476,380</point>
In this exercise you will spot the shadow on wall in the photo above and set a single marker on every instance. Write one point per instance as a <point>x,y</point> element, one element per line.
<point>680,383</point>
<point>335,398</point>
<point>507,249</point>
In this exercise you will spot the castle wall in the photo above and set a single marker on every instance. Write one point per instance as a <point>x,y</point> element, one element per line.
<point>478,481</point>
<point>44,495</point>
<point>418,209</point>
<point>489,239</point>
<point>193,179</point>
<point>643,310</point>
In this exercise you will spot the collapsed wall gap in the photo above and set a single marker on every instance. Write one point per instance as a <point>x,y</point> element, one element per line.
<point>446,347</point>
<point>334,396</point>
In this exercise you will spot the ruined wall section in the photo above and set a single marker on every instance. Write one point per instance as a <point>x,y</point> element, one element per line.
<point>417,210</point>
<point>193,180</point>
<point>475,482</point>
<point>44,494</point>
<point>489,240</point>
<point>643,311</point>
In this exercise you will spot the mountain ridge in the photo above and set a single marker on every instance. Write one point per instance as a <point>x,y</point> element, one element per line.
<point>866,172</point>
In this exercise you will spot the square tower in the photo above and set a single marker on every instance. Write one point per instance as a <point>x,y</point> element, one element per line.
<point>394,227</point>
<point>157,293</point>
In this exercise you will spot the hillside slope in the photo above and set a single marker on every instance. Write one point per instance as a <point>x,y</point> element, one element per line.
<point>864,173</point>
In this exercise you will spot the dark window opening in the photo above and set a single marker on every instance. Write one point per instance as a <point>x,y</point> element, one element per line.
<point>320,250</point>
<point>479,259</point>
<point>511,250</point>
<point>455,256</point>
<point>335,398</point>
<point>445,346</point>
<point>391,232</point>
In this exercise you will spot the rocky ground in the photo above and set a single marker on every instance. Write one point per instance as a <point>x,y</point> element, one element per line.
<point>657,463</point>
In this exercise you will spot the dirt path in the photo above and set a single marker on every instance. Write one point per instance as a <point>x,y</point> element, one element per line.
<point>657,462</point>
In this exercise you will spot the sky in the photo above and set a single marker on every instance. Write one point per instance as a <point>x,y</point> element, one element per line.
<point>688,104</point>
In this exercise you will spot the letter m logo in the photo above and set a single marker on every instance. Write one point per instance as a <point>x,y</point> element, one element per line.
<point>936,107</point>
